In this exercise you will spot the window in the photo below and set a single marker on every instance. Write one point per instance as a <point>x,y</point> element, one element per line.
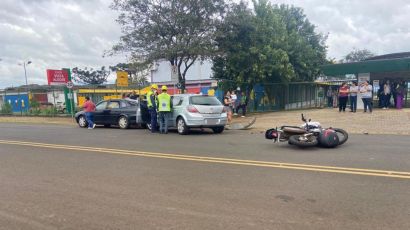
<point>177,101</point>
<point>124,104</point>
<point>114,105</point>
<point>102,105</point>
<point>204,100</point>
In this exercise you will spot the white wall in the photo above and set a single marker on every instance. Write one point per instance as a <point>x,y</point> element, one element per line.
<point>197,71</point>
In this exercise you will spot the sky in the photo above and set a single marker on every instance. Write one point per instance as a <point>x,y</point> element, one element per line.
<point>55,34</point>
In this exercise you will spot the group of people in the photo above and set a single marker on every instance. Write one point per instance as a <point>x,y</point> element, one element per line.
<point>388,91</point>
<point>350,92</point>
<point>233,104</point>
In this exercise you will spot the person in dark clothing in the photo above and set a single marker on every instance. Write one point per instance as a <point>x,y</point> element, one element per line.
<point>242,104</point>
<point>152,107</point>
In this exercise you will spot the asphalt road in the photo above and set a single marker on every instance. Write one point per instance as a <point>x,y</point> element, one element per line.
<point>64,177</point>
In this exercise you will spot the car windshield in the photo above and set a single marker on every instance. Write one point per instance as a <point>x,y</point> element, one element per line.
<point>204,100</point>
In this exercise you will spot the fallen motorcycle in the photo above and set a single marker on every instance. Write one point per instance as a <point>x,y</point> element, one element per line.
<point>308,134</point>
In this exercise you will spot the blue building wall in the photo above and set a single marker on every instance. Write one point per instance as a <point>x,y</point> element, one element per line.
<point>19,102</point>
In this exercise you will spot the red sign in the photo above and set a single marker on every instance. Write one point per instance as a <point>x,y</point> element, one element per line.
<point>57,77</point>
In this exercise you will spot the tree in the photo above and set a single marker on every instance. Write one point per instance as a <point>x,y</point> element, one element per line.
<point>90,76</point>
<point>179,31</point>
<point>358,55</point>
<point>271,44</point>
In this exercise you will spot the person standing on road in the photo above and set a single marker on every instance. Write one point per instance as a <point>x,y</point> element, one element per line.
<point>89,108</point>
<point>343,96</point>
<point>366,92</point>
<point>353,90</point>
<point>164,110</point>
<point>227,104</point>
<point>152,106</point>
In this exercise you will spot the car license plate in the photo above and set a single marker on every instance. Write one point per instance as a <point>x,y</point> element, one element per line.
<point>212,121</point>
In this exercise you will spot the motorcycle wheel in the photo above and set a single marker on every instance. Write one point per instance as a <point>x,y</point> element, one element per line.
<point>294,140</point>
<point>342,134</point>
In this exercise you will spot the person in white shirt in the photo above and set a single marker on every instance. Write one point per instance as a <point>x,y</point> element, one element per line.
<point>366,91</point>
<point>234,98</point>
<point>353,90</point>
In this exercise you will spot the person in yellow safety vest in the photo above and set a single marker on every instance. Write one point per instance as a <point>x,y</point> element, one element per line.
<point>164,109</point>
<point>152,103</point>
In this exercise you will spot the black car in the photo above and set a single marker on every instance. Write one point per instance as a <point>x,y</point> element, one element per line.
<point>121,112</point>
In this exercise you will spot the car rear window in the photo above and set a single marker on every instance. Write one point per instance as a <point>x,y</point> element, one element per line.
<point>204,100</point>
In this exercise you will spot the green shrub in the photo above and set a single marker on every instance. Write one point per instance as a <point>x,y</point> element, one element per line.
<point>6,109</point>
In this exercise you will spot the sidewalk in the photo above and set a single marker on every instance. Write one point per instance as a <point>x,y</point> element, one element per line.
<point>391,121</point>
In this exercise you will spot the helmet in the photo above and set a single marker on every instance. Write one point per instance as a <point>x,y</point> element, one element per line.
<point>154,86</point>
<point>164,87</point>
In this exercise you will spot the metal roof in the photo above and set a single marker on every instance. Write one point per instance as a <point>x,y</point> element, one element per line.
<point>370,66</point>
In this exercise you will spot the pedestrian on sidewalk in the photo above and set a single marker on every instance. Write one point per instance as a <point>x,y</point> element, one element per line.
<point>343,96</point>
<point>386,95</point>
<point>329,95</point>
<point>89,109</point>
<point>353,90</point>
<point>400,92</point>
<point>234,99</point>
<point>366,92</point>
<point>242,105</point>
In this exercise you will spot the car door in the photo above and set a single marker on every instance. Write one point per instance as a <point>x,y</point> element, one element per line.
<point>99,112</point>
<point>113,112</point>
<point>177,107</point>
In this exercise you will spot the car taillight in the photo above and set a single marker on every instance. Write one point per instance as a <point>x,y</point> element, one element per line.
<point>192,109</point>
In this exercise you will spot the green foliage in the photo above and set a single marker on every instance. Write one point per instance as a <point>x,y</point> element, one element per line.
<point>269,44</point>
<point>6,108</point>
<point>90,76</point>
<point>178,31</point>
<point>50,111</point>
<point>358,55</point>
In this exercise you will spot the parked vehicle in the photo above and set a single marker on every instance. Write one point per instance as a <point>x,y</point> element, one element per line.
<point>60,106</point>
<point>121,112</point>
<point>197,111</point>
<point>308,134</point>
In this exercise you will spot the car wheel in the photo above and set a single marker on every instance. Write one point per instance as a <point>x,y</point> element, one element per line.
<point>82,122</point>
<point>123,122</point>
<point>218,129</point>
<point>181,126</point>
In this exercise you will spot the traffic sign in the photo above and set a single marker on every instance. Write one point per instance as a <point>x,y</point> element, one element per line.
<point>70,84</point>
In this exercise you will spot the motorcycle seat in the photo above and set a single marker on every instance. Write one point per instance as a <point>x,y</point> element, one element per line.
<point>294,130</point>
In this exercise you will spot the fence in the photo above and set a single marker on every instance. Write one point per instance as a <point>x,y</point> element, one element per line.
<point>50,100</point>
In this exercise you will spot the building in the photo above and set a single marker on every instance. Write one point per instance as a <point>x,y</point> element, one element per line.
<point>394,68</point>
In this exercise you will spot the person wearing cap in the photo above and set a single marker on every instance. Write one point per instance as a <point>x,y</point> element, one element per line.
<point>152,106</point>
<point>89,108</point>
<point>164,109</point>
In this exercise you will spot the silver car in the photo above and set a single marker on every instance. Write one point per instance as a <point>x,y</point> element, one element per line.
<point>197,111</point>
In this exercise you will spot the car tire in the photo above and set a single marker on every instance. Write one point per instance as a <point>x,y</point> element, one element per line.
<point>182,127</point>
<point>82,122</point>
<point>123,122</point>
<point>218,129</point>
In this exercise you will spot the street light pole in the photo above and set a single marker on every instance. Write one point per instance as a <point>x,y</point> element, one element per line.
<point>25,72</point>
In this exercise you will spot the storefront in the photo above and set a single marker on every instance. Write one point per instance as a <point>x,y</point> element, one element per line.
<point>393,69</point>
